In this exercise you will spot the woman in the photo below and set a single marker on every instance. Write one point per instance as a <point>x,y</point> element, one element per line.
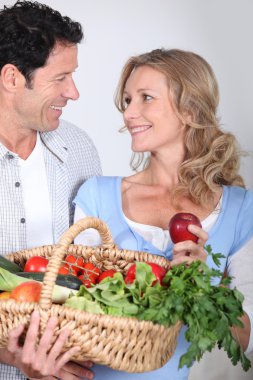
<point>169,100</point>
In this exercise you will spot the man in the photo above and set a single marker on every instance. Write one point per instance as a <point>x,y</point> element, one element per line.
<point>43,160</point>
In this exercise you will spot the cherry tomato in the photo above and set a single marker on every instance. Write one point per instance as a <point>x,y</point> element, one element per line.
<point>86,281</point>
<point>91,270</point>
<point>90,274</point>
<point>79,261</point>
<point>27,291</point>
<point>67,269</point>
<point>36,264</point>
<point>106,273</point>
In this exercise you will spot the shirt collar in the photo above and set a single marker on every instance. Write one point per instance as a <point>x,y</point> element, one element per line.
<point>5,153</point>
<point>55,144</point>
<point>52,140</point>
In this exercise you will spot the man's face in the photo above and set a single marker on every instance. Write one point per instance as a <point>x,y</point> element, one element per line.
<point>40,107</point>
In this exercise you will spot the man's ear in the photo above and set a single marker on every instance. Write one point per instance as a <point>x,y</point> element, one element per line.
<point>11,77</point>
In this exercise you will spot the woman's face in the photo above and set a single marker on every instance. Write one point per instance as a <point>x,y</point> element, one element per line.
<point>149,115</point>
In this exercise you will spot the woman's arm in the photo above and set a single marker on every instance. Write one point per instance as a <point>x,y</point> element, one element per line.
<point>240,268</point>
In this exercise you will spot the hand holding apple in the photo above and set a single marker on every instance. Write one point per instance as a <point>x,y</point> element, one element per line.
<point>187,246</point>
<point>178,227</point>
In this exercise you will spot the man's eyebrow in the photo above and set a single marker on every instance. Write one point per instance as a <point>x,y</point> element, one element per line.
<point>63,73</point>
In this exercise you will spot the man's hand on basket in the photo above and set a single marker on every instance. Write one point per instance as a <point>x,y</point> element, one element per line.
<point>41,361</point>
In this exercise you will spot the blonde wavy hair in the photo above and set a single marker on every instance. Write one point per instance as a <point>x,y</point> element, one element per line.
<point>211,155</point>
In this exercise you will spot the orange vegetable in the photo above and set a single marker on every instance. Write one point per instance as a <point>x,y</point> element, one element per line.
<point>5,295</point>
<point>27,292</point>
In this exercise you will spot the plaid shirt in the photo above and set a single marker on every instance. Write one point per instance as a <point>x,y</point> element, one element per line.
<point>70,158</point>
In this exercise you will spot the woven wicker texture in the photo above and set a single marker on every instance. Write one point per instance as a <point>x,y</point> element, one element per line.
<point>125,344</point>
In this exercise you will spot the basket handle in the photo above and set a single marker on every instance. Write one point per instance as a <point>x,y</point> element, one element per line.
<point>60,250</point>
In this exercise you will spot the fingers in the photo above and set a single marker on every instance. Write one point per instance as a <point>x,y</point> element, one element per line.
<point>189,251</point>
<point>14,335</point>
<point>73,371</point>
<point>65,358</point>
<point>31,337</point>
<point>41,355</point>
<point>200,233</point>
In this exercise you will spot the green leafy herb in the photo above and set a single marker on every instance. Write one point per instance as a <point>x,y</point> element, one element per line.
<point>188,296</point>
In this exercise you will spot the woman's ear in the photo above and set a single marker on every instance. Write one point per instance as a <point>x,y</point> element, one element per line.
<point>11,77</point>
<point>188,117</point>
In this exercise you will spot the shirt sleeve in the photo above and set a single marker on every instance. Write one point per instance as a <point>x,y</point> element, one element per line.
<point>87,198</point>
<point>88,237</point>
<point>240,268</point>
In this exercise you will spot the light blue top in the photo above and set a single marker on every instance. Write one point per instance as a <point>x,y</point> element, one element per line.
<point>101,197</point>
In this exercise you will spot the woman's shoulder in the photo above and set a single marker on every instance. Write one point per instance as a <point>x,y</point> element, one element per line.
<point>237,193</point>
<point>100,181</point>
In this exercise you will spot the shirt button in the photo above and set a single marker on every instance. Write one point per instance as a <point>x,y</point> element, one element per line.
<point>10,156</point>
<point>17,184</point>
<point>22,220</point>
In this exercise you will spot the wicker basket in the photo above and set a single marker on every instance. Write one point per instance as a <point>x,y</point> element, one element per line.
<point>121,343</point>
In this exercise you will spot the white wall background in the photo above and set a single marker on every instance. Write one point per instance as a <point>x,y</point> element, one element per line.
<point>220,30</point>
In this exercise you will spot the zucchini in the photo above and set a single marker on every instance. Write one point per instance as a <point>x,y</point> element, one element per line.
<point>68,281</point>
<point>9,265</point>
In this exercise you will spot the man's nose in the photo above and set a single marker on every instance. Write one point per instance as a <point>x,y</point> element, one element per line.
<point>71,91</point>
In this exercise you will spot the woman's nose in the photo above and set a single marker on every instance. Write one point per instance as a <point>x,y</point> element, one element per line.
<point>132,111</point>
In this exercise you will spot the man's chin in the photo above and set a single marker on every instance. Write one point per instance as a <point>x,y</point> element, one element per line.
<point>52,126</point>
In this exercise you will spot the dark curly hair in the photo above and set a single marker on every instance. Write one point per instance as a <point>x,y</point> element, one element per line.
<point>28,33</point>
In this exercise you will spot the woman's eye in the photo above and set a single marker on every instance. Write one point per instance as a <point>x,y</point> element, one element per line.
<point>147,97</point>
<point>127,102</point>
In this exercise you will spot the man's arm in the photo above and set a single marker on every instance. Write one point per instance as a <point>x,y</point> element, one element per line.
<point>40,361</point>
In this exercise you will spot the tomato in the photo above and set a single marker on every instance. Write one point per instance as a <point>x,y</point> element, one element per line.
<point>157,270</point>
<point>79,261</point>
<point>27,292</point>
<point>91,270</point>
<point>106,273</point>
<point>90,274</point>
<point>86,282</point>
<point>67,269</point>
<point>130,275</point>
<point>36,264</point>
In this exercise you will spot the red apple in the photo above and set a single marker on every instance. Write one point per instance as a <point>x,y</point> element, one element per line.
<point>178,227</point>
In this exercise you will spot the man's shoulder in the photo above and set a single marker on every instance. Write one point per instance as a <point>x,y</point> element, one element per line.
<point>68,135</point>
<point>70,130</point>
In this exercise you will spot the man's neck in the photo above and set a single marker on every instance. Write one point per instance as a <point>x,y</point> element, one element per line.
<point>19,143</point>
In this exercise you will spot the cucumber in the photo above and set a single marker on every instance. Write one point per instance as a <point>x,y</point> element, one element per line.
<point>69,281</point>
<point>9,265</point>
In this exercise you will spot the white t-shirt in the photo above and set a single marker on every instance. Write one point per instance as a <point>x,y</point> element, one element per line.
<point>38,212</point>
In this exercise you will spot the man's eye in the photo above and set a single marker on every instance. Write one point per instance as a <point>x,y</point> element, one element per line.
<point>60,79</point>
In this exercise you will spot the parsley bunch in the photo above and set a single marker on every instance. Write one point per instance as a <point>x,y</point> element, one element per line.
<point>208,311</point>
